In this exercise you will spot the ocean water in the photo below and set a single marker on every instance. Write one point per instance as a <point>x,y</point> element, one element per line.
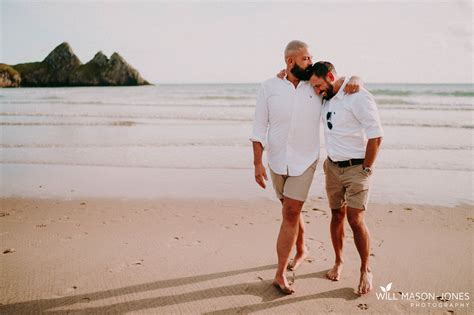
<point>428,128</point>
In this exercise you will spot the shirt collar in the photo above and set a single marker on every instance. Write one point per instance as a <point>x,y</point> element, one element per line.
<point>289,82</point>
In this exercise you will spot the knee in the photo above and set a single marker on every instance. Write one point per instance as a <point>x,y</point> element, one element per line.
<point>301,226</point>
<point>338,216</point>
<point>291,213</point>
<point>355,220</point>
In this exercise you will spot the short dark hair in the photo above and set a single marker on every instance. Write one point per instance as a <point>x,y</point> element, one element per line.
<point>322,68</point>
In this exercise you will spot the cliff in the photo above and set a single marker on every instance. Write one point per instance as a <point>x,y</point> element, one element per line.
<point>63,68</point>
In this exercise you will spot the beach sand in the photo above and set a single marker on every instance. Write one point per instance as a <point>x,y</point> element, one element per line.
<point>165,256</point>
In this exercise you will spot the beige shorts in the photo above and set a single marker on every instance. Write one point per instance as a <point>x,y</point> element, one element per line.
<point>294,187</point>
<point>348,185</point>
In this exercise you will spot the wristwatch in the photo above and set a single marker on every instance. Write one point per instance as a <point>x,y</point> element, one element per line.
<point>368,170</point>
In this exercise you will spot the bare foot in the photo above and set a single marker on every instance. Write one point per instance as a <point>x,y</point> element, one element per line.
<point>299,258</point>
<point>365,284</point>
<point>335,273</point>
<point>283,286</point>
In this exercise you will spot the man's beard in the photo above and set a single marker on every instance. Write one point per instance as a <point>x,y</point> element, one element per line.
<point>300,73</point>
<point>329,91</point>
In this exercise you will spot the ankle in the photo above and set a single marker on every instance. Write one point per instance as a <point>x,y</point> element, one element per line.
<point>279,276</point>
<point>301,250</point>
<point>365,269</point>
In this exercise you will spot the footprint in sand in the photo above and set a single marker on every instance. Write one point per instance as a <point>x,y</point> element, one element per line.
<point>362,306</point>
<point>73,237</point>
<point>70,290</point>
<point>118,268</point>
<point>9,250</point>
<point>137,263</point>
<point>442,299</point>
<point>320,210</point>
<point>122,266</point>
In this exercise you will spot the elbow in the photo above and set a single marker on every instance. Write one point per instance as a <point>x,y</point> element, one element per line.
<point>257,144</point>
<point>376,141</point>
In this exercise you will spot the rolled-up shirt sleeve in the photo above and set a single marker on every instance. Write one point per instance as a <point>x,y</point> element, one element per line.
<point>366,112</point>
<point>260,124</point>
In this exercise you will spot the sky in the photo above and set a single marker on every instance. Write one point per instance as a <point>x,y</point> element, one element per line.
<point>243,42</point>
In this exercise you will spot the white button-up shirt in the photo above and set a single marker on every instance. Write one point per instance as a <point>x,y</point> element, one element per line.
<point>353,119</point>
<point>287,124</point>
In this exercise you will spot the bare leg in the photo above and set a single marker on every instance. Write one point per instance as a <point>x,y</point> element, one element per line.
<point>362,242</point>
<point>287,239</point>
<point>337,238</point>
<point>301,249</point>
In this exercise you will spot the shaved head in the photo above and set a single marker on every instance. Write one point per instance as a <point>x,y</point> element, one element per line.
<point>298,60</point>
<point>293,47</point>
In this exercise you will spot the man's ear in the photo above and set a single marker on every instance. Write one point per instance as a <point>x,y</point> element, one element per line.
<point>290,61</point>
<point>330,76</point>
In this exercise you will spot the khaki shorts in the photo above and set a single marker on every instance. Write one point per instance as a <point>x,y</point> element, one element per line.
<point>348,185</point>
<point>294,187</point>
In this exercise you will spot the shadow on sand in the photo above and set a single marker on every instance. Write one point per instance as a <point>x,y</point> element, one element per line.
<point>263,289</point>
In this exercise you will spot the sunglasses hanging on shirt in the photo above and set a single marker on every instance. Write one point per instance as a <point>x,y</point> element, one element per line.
<point>328,119</point>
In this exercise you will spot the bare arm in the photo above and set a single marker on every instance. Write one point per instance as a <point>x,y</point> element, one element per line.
<point>260,172</point>
<point>371,151</point>
<point>258,137</point>
<point>353,86</point>
<point>365,110</point>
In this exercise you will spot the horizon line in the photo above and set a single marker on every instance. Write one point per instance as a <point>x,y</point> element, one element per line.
<point>216,83</point>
